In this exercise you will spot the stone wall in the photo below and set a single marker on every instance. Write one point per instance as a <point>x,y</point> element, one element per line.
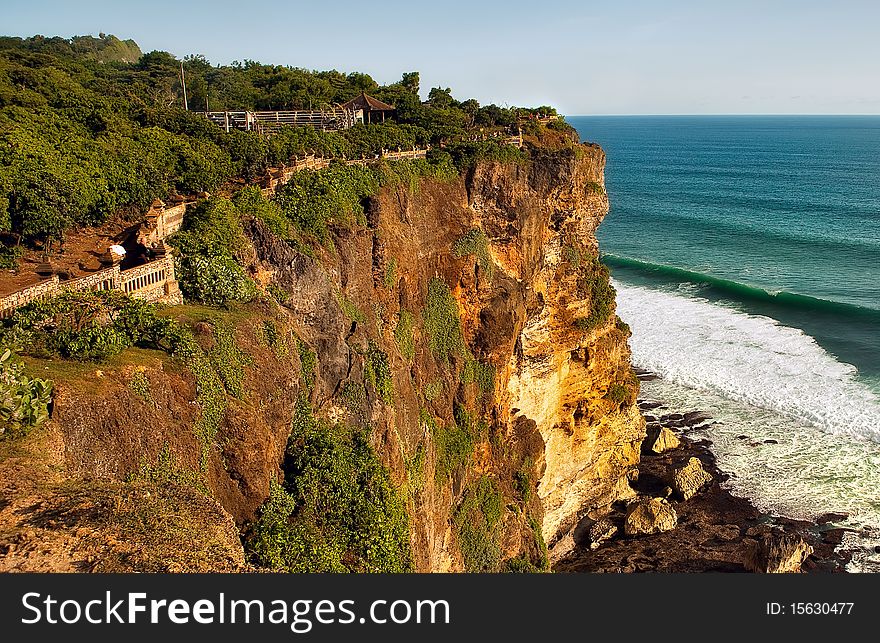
<point>24,296</point>
<point>154,281</point>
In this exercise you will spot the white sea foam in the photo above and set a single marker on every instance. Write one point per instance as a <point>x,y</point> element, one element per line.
<point>749,358</point>
<point>766,381</point>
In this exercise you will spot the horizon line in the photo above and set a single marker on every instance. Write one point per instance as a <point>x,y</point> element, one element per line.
<point>733,114</point>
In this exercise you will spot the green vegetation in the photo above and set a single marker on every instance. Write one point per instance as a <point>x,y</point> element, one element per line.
<point>403,334</point>
<point>433,390</point>
<point>377,373</point>
<point>24,400</point>
<point>308,364</point>
<point>315,201</point>
<point>91,126</point>
<point>453,444</point>
<point>390,277</point>
<point>522,480</point>
<point>87,325</point>
<point>167,470</point>
<point>337,509</point>
<point>625,391</point>
<point>476,520</point>
<point>574,255</point>
<point>206,267</point>
<point>481,374</point>
<point>229,360</point>
<point>474,242</point>
<point>250,201</point>
<point>442,322</point>
<point>140,386</point>
<point>415,471</point>
<point>94,325</point>
<point>595,188</point>
<point>622,326</point>
<point>350,309</point>
<point>594,283</point>
<point>274,339</point>
<point>465,155</point>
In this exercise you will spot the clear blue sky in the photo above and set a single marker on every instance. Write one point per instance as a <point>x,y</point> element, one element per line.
<point>586,57</point>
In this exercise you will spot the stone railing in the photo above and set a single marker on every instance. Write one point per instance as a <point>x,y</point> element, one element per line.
<point>42,290</point>
<point>154,281</point>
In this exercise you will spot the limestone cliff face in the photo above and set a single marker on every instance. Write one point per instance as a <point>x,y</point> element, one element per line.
<point>541,377</point>
<point>557,376</point>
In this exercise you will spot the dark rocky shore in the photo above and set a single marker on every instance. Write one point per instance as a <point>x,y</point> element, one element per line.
<point>710,531</point>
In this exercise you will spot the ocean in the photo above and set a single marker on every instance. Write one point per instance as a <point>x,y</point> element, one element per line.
<point>745,251</point>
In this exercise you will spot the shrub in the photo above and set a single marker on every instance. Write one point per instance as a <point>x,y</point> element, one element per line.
<point>442,322</point>
<point>308,363</point>
<point>377,372</point>
<point>453,444</point>
<point>214,280</point>
<point>350,309</point>
<point>337,510</point>
<point>482,374</point>
<point>250,201</point>
<point>433,390</point>
<point>476,520</point>
<point>87,325</point>
<point>623,392</point>
<point>403,334</point>
<point>474,242</point>
<point>596,286</point>
<point>24,400</point>
<point>390,277</point>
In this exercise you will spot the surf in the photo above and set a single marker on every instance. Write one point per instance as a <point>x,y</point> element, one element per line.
<point>749,358</point>
<point>741,291</point>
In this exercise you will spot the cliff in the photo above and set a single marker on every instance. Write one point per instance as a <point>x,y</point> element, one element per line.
<point>466,326</point>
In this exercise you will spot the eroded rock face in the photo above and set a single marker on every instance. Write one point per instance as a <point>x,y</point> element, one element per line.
<point>659,440</point>
<point>777,552</point>
<point>553,411</point>
<point>687,479</point>
<point>650,516</point>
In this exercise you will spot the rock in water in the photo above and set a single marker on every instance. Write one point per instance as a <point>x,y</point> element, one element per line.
<point>777,552</point>
<point>600,532</point>
<point>650,516</point>
<point>659,440</point>
<point>687,479</point>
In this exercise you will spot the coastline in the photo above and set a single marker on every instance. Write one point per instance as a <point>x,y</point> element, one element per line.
<point>716,530</point>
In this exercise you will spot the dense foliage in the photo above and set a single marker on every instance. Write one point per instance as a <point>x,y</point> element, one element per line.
<point>24,400</point>
<point>337,510</point>
<point>206,267</point>
<point>89,126</point>
<point>88,325</point>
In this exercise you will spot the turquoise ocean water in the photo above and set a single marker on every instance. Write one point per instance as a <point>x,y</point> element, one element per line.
<point>746,255</point>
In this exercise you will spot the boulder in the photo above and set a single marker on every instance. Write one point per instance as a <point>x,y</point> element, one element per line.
<point>649,516</point>
<point>687,479</point>
<point>696,417</point>
<point>659,440</point>
<point>600,532</point>
<point>777,552</point>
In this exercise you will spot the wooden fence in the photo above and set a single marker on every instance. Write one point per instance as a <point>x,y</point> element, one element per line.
<point>267,122</point>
